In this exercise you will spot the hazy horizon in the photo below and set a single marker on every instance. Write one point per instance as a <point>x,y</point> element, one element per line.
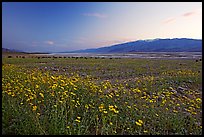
<point>68,26</point>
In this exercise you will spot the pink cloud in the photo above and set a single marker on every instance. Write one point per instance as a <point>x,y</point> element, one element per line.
<point>169,20</point>
<point>97,15</point>
<point>188,14</point>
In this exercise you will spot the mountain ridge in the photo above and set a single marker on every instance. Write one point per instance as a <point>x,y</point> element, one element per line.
<point>150,45</point>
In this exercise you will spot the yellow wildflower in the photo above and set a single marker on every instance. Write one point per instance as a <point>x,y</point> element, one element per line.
<point>77,120</point>
<point>175,111</point>
<point>140,121</point>
<point>79,117</point>
<point>34,108</point>
<point>194,113</point>
<point>41,94</point>
<point>116,111</point>
<point>198,99</point>
<point>139,124</point>
<point>60,101</point>
<point>101,106</point>
<point>105,112</point>
<point>37,86</point>
<point>110,107</point>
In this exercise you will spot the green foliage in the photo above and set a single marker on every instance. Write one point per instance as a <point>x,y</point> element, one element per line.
<point>101,96</point>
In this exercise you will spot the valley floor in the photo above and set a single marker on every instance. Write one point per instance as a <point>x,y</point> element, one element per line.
<point>57,95</point>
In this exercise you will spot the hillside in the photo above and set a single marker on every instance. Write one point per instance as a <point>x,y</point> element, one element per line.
<point>156,45</point>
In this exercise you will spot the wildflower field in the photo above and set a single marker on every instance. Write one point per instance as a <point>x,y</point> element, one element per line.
<point>101,96</point>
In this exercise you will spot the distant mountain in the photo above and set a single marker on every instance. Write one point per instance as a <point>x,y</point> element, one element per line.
<point>10,50</point>
<point>5,50</point>
<point>155,45</point>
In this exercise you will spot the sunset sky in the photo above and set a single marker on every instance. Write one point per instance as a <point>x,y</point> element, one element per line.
<point>67,26</point>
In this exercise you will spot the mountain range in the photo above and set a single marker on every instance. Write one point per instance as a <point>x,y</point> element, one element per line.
<point>10,50</point>
<point>154,45</point>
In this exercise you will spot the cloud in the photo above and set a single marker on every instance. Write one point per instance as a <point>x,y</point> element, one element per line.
<point>97,15</point>
<point>49,42</point>
<point>168,20</point>
<point>189,14</point>
<point>186,14</point>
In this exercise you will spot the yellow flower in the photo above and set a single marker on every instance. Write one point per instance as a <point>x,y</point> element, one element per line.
<point>194,113</point>
<point>137,90</point>
<point>164,101</point>
<point>60,101</point>
<point>111,123</point>
<point>39,101</point>
<point>9,93</point>
<point>41,95</point>
<point>151,101</point>
<point>79,117</point>
<point>105,112</point>
<point>101,107</point>
<point>198,99</point>
<point>37,86</point>
<point>140,121</point>
<point>177,104</point>
<point>139,124</point>
<point>175,111</point>
<point>116,111</point>
<point>145,131</point>
<point>34,78</point>
<point>110,107</point>
<point>110,96</point>
<point>77,120</point>
<point>74,80</point>
<point>34,108</point>
<point>62,81</point>
<point>157,115</point>
<point>72,93</point>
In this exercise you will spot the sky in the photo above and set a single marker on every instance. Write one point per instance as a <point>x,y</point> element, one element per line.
<point>68,26</point>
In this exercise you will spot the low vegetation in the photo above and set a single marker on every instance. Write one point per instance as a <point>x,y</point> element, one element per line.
<point>88,96</point>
